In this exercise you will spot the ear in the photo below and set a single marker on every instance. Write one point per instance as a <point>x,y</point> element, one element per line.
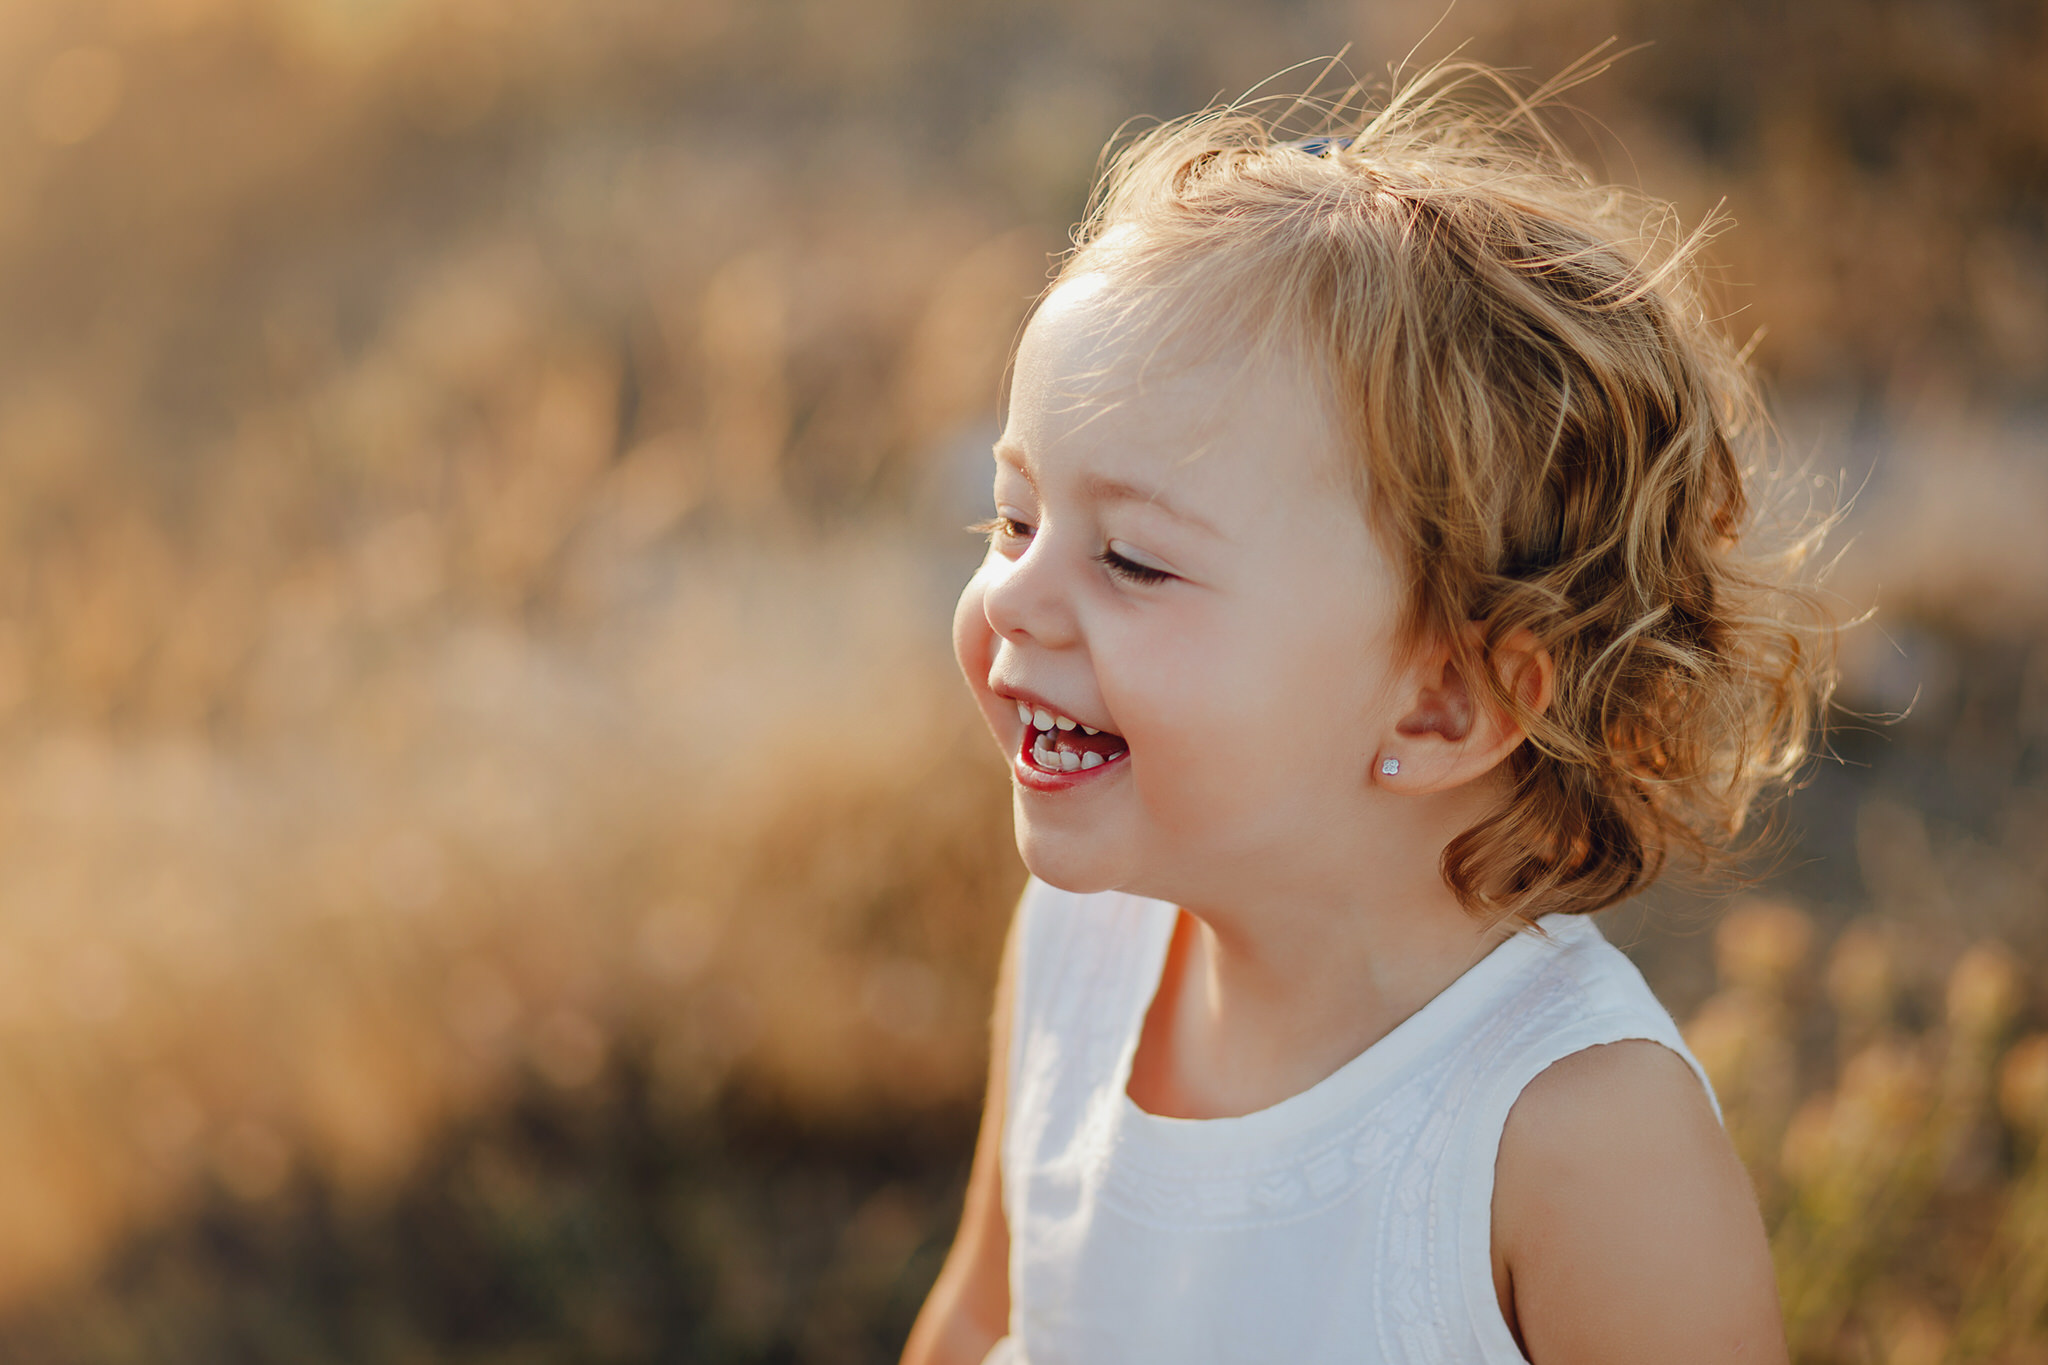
<point>1451,732</point>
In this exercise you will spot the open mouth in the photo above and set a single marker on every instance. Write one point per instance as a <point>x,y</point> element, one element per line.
<point>1054,743</point>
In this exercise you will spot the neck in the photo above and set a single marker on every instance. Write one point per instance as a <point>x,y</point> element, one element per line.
<point>1267,993</point>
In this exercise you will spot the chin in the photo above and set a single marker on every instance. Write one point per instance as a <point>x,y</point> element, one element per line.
<point>1061,862</point>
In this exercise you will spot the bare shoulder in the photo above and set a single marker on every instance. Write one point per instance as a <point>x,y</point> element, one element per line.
<point>1624,1226</point>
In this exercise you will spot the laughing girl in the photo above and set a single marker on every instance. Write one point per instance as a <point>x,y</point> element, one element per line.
<point>1374,593</point>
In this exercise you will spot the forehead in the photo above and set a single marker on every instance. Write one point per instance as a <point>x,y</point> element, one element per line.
<point>1112,389</point>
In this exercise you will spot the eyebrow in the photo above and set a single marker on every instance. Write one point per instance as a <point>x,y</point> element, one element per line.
<point>1103,488</point>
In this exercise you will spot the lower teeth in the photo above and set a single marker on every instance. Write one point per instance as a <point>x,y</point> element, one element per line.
<point>1064,760</point>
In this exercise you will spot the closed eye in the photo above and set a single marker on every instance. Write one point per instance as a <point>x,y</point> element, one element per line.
<point>1130,570</point>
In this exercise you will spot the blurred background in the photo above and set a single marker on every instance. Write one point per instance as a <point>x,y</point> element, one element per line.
<point>495,863</point>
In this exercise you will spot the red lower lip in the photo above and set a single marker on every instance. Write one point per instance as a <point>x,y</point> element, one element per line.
<point>1029,774</point>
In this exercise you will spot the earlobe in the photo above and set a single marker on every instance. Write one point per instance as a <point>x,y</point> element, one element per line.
<point>1455,733</point>
<point>1434,737</point>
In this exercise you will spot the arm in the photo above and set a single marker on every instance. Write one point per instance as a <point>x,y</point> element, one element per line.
<point>968,1310</point>
<point>1624,1227</point>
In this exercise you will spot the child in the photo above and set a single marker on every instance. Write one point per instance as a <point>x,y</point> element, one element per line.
<point>1367,604</point>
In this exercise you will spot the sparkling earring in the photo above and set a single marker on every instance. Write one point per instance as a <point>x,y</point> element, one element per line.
<point>1390,766</point>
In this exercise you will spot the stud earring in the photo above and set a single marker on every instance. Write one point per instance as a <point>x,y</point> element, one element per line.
<point>1390,766</point>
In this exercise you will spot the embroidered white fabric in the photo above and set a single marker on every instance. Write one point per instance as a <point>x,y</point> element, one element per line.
<point>1350,1222</point>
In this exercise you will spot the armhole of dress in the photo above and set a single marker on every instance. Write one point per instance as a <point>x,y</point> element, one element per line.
<point>1481,1152</point>
<point>1020,985</point>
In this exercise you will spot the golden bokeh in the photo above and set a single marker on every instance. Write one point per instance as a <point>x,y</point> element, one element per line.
<point>494,861</point>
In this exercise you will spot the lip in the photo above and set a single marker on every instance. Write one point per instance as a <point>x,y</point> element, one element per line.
<point>1033,778</point>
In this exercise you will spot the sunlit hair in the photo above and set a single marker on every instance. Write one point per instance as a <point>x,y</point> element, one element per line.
<point>1550,430</point>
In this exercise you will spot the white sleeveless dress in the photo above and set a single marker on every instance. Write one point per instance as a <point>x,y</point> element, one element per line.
<point>1350,1222</point>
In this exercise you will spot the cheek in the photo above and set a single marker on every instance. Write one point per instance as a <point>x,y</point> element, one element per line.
<point>974,642</point>
<point>1251,719</point>
<point>1181,697</point>
<point>1202,680</point>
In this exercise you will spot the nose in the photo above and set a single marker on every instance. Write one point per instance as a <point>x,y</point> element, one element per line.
<point>1024,598</point>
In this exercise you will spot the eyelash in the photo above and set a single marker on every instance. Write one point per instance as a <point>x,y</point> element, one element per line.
<point>996,526</point>
<point>1108,559</point>
<point>1125,569</point>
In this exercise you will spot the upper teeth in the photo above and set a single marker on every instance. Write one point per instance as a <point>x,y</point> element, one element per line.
<point>1038,718</point>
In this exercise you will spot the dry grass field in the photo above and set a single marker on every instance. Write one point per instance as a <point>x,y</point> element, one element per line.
<point>495,864</point>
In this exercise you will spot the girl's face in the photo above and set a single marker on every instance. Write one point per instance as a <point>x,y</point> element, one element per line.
<point>1177,564</point>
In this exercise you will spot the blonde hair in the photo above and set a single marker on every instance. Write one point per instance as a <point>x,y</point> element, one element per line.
<point>1550,429</point>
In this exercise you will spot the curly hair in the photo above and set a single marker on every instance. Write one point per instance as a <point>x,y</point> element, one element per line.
<point>1549,427</point>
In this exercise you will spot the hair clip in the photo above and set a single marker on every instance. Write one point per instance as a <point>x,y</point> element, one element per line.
<point>1319,146</point>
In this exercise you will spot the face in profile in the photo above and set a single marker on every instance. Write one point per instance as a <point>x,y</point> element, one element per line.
<point>1179,567</point>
